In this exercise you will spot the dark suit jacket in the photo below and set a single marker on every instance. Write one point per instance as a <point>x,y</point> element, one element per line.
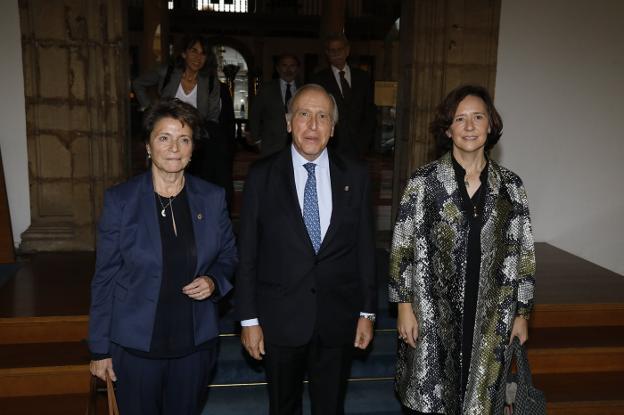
<point>126,285</point>
<point>357,116</point>
<point>280,280</point>
<point>267,118</point>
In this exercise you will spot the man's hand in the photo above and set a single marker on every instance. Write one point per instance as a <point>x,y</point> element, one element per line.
<point>520,329</point>
<point>252,339</point>
<point>407,324</point>
<point>363,333</point>
<point>200,288</point>
<point>100,367</point>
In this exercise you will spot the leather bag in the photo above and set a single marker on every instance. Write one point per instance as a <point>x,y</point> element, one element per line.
<point>527,399</point>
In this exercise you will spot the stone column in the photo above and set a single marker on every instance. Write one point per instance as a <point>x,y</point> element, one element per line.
<point>76,87</point>
<point>443,44</point>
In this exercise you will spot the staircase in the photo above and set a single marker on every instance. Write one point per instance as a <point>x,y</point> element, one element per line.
<point>576,349</point>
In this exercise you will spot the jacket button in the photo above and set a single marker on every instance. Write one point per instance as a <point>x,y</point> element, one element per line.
<point>313,290</point>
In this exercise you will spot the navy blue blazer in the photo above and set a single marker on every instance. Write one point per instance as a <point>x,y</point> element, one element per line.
<point>128,271</point>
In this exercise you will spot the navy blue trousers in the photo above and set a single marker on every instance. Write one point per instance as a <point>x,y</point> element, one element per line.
<point>162,386</point>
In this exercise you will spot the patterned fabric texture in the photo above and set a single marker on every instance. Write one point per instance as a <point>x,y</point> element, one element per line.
<point>428,268</point>
<point>311,216</point>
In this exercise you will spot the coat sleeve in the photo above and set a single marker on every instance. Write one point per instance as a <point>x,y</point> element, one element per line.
<point>223,268</point>
<point>526,260</point>
<point>107,265</point>
<point>151,78</point>
<point>249,234</point>
<point>408,255</point>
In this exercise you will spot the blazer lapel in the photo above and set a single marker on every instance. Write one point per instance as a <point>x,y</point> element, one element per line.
<point>150,219</point>
<point>493,190</point>
<point>340,185</point>
<point>170,90</point>
<point>199,216</point>
<point>451,200</point>
<point>289,196</point>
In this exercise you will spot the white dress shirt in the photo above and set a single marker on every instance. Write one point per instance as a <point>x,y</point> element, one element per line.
<point>283,84</point>
<point>347,75</point>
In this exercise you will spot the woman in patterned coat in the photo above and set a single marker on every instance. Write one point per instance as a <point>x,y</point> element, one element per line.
<point>462,265</point>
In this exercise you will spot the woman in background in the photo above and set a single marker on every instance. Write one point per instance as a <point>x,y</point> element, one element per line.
<point>165,256</point>
<point>462,265</point>
<point>193,79</point>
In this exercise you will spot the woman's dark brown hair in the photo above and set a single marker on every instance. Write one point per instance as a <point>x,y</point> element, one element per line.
<point>210,67</point>
<point>171,108</point>
<point>445,112</point>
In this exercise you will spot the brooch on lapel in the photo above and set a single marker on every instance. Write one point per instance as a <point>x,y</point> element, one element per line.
<point>346,188</point>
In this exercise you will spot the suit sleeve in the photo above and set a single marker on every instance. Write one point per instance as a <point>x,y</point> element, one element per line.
<point>249,234</point>
<point>223,268</point>
<point>107,265</point>
<point>366,250</point>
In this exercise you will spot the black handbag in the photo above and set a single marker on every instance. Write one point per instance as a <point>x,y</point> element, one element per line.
<point>527,400</point>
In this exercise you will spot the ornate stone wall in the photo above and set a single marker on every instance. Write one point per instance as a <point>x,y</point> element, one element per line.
<point>76,88</point>
<point>444,44</point>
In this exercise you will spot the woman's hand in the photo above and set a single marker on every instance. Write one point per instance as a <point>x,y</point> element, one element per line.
<point>100,367</point>
<point>520,329</point>
<point>200,288</point>
<point>407,325</point>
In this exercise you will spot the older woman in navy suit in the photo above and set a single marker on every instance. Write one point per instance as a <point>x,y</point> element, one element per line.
<point>165,255</point>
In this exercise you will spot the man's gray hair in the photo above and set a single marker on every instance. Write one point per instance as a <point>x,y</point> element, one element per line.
<point>316,87</point>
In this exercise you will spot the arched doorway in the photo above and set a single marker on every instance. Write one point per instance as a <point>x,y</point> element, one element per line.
<point>234,71</point>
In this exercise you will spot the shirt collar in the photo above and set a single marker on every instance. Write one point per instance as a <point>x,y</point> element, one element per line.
<point>284,83</point>
<point>346,69</point>
<point>298,160</point>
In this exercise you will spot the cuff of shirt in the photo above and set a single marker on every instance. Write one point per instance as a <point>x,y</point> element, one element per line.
<point>250,322</point>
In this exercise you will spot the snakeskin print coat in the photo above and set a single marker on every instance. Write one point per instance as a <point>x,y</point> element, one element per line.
<point>428,269</point>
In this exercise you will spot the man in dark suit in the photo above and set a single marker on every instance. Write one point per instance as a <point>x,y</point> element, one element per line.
<point>352,89</point>
<point>306,283</point>
<point>267,121</point>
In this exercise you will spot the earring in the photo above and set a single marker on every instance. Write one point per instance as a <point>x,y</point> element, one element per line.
<point>149,155</point>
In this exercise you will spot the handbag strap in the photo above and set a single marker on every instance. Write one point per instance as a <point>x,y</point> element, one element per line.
<point>112,401</point>
<point>522,362</point>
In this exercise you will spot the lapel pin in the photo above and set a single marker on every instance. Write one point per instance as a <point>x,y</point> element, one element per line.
<point>346,188</point>
<point>200,216</point>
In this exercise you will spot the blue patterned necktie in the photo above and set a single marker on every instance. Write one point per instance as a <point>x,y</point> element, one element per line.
<point>311,209</point>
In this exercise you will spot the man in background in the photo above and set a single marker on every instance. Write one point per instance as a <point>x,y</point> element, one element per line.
<point>267,121</point>
<point>352,89</point>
